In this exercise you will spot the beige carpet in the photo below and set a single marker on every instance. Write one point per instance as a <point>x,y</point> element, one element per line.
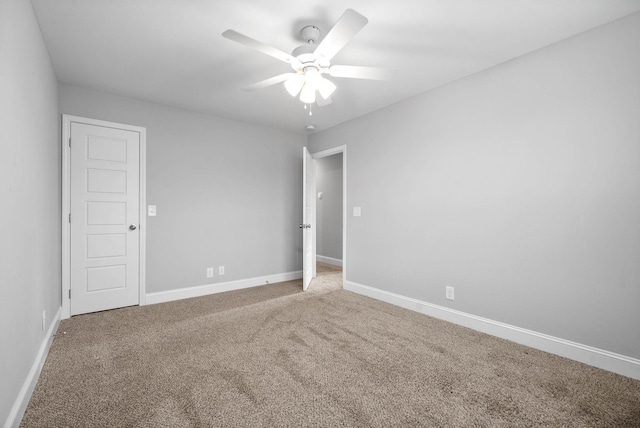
<point>274,356</point>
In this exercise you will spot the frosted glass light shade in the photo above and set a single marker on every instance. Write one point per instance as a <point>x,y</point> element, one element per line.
<point>312,77</point>
<point>326,87</point>
<point>294,84</point>
<point>308,94</point>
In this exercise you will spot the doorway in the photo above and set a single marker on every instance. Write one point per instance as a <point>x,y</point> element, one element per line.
<point>329,209</point>
<point>336,160</point>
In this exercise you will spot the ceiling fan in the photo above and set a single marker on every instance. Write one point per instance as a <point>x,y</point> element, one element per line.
<point>310,63</point>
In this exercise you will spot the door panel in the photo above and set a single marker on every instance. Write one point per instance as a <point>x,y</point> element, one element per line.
<point>106,213</point>
<point>308,221</point>
<point>106,278</point>
<point>106,181</point>
<point>105,201</point>
<point>109,245</point>
<point>106,149</point>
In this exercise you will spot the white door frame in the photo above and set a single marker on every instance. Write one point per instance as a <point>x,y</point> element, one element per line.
<point>66,203</point>
<point>323,154</point>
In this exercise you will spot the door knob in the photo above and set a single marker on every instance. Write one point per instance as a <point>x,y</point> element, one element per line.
<point>132,227</point>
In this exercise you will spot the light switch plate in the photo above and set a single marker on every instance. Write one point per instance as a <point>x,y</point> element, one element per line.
<point>357,211</point>
<point>152,210</point>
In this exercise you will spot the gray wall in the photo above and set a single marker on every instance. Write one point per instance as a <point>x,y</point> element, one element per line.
<point>329,208</point>
<point>29,195</point>
<point>519,186</point>
<point>227,193</point>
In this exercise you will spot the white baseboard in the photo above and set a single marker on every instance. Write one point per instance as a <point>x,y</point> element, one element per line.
<point>22,401</point>
<point>600,358</point>
<point>219,287</point>
<point>329,260</point>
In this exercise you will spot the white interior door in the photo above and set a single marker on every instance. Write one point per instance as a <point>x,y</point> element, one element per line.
<point>105,217</point>
<point>308,219</point>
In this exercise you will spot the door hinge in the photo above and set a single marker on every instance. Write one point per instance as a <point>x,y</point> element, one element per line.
<point>69,293</point>
<point>69,217</point>
<point>69,141</point>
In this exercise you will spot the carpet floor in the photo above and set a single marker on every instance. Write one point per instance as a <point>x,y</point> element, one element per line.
<point>273,356</point>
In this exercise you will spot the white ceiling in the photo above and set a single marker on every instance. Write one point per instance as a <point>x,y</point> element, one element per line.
<point>172,52</point>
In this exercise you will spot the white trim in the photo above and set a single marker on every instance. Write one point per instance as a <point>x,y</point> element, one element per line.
<point>621,364</point>
<point>219,287</point>
<point>142,196</point>
<point>22,401</point>
<point>329,260</point>
<point>66,203</point>
<point>329,152</point>
<point>66,209</point>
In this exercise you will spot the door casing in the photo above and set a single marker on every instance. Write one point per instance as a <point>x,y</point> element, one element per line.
<point>66,204</point>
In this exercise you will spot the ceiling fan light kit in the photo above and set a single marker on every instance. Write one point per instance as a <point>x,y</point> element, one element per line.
<point>294,84</point>
<point>308,94</point>
<point>326,88</point>
<point>309,62</point>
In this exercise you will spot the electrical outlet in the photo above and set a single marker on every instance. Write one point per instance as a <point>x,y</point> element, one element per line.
<point>44,319</point>
<point>220,270</point>
<point>209,272</point>
<point>449,293</point>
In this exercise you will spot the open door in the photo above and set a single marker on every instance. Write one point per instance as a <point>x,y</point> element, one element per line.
<point>308,221</point>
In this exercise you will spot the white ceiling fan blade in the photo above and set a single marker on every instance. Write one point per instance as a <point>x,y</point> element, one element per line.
<point>342,32</point>
<point>268,82</point>
<point>357,72</point>
<point>259,46</point>
<point>323,101</point>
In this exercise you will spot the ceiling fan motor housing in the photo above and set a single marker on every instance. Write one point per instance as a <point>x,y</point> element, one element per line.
<point>305,53</point>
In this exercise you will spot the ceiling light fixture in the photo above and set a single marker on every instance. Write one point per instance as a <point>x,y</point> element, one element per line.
<point>307,82</point>
<point>308,93</point>
<point>294,84</point>
<point>310,62</point>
